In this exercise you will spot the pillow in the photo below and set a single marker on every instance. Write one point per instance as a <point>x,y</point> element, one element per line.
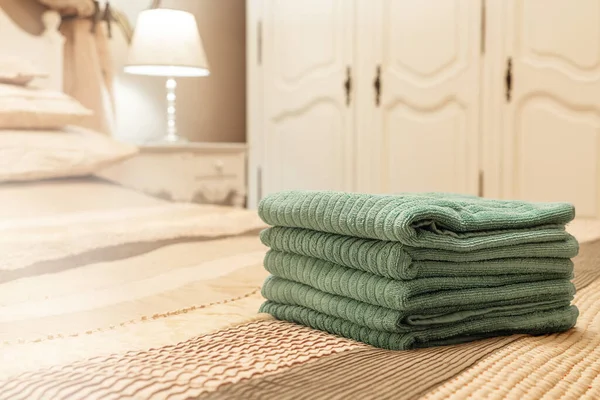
<point>71,151</point>
<point>33,108</point>
<point>17,71</point>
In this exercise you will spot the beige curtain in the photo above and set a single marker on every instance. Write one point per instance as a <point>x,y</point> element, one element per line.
<point>88,70</point>
<point>88,74</point>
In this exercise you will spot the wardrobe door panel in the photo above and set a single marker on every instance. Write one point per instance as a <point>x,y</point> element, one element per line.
<point>551,129</point>
<point>306,55</point>
<point>428,110</point>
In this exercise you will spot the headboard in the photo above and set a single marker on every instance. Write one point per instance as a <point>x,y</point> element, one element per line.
<point>45,50</point>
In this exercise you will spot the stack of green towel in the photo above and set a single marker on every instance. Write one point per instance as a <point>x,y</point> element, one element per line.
<point>418,270</point>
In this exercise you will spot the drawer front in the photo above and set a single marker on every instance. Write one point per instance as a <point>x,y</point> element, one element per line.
<point>185,176</point>
<point>204,166</point>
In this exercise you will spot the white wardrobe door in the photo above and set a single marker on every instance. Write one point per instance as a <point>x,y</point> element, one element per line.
<point>551,124</point>
<point>425,132</point>
<point>307,49</point>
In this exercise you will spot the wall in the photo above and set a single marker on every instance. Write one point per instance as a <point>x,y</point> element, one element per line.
<point>26,13</point>
<point>209,109</point>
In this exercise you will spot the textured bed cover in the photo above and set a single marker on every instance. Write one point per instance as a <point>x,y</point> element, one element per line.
<point>66,196</point>
<point>161,303</point>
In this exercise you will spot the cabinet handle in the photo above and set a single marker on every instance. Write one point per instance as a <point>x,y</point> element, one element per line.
<point>377,85</point>
<point>348,85</point>
<point>508,79</point>
<point>219,164</point>
<point>259,181</point>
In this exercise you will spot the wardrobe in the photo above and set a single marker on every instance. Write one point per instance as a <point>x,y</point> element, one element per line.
<point>496,98</point>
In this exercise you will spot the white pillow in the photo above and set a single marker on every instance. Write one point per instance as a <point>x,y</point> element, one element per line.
<point>16,71</point>
<point>71,151</point>
<point>33,108</point>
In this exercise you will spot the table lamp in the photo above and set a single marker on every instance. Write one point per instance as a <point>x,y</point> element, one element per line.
<point>167,43</point>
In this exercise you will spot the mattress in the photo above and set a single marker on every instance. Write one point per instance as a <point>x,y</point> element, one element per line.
<point>138,298</point>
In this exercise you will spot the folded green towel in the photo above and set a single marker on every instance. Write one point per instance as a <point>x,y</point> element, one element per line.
<point>418,294</point>
<point>435,221</point>
<point>397,261</point>
<point>535,323</point>
<point>291,293</point>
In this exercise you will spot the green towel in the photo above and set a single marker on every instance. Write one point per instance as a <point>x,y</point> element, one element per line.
<point>418,294</point>
<point>434,221</point>
<point>397,261</point>
<point>291,293</point>
<point>535,323</point>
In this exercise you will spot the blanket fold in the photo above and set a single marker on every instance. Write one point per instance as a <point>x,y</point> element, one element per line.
<point>417,294</point>
<point>283,291</point>
<point>397,261</point>
<point>536,323</point>
<point>428,220</point>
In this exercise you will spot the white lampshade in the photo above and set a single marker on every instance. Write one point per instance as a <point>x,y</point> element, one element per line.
<point>166,43</point>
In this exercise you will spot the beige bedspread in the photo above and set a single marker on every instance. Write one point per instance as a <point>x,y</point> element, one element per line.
<point>66,196</point>
<point>82,259</point>
<point>161,303</point>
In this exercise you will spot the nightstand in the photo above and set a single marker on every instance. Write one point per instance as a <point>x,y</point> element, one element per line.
<point>205,173</point>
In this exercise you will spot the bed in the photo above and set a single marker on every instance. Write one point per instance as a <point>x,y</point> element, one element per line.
<point>106,293</point>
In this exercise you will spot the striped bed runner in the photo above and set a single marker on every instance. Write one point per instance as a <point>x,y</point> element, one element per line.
<point>268,359</point>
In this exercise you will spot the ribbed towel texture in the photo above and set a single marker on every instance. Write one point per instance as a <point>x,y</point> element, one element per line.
<point>397,261</point>
<point>417,270</point>
<point>538,323</point>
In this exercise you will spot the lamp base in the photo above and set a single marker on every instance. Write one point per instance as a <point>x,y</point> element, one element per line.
<point>173,139</point>
<point>168,139</point>
<point>171,136</point>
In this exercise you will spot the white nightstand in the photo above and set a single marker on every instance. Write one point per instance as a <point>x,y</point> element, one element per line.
<point>205,173</point>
